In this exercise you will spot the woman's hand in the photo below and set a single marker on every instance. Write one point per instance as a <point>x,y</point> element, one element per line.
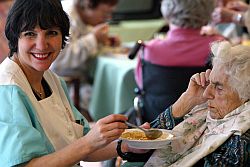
<point>146,125</point>
<point>227,13</point>
<point>193,95</point>
<point>237,5</point>
<point>209,30</point>
<point>197,84</point>
<point>223,15</point>
<point>101,32</point>
<point>106,130</point>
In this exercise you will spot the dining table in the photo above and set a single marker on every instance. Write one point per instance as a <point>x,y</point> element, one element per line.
<point>114,84</point>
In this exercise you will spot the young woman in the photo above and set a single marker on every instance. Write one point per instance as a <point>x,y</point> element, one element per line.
<point>38,123</point>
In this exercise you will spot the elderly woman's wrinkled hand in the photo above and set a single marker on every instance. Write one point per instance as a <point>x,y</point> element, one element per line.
<point>197,85</point>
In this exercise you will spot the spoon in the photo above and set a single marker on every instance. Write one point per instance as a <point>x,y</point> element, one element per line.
<point>150,133</point>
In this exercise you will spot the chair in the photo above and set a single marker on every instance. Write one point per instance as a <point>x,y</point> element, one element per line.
<point>162,86</point>
<point>75,82</point>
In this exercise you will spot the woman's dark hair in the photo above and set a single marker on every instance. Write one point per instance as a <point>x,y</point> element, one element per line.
<point>27,14</point>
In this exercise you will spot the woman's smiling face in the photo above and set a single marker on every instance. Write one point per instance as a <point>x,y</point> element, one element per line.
<point>222,99</point>
<point>38,48</point>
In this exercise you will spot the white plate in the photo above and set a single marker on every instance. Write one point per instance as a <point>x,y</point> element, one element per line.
<point>150,144</point>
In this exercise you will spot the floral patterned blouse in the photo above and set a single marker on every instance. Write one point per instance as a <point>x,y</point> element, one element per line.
<point>234,152</point>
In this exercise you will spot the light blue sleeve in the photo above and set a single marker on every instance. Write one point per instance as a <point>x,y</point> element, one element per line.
<point>77,114</point>
<point>21,135</point>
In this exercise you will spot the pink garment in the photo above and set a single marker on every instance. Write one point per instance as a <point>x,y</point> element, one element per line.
<point>182,47</point>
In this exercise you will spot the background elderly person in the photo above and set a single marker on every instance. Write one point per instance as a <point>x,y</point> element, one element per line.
<point>166,69</point>
<point>236,11</point>
<point>228,19</point>
<point>38,123</point>
<point>230,11</point>
<point>214,133</point>
<point>88,33</point>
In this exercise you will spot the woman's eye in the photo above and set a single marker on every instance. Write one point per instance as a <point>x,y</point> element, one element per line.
<point>29,34</point>
<point>219,88</point>
<point>53,33</point>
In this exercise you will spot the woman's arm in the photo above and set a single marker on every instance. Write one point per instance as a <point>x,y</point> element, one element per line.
<point>95,146</point>
<point>74,153</point>
<point>102,154</point>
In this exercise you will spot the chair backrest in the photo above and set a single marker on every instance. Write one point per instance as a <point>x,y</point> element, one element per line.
<point>75,82</point>
<point>162,86</point>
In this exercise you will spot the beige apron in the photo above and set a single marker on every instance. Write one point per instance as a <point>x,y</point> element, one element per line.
<point>56,117</point>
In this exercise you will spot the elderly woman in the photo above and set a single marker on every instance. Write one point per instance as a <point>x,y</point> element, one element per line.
<point>178,64</point>
<point>212,116</point>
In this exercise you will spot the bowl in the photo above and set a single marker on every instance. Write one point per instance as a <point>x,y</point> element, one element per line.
<point>135,138</point>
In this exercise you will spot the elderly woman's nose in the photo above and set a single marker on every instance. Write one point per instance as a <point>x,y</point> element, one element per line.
<point>208,92</point>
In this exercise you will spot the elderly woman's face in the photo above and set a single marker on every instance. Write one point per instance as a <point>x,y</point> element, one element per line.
<point>221,98</point>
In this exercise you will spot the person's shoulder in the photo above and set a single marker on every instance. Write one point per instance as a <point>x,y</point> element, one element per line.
<point>156,45</point>
<point>7,66</point>
<point>155,42</point>
<point>10,72</point>
<point>55,80</point>
<point>51,76</point>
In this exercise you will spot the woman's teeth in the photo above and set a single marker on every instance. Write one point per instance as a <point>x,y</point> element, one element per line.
<point>41,56</point>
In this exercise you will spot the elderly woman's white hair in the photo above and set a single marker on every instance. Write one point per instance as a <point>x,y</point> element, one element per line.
<point>236,62</point>
<point>188,13</point>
